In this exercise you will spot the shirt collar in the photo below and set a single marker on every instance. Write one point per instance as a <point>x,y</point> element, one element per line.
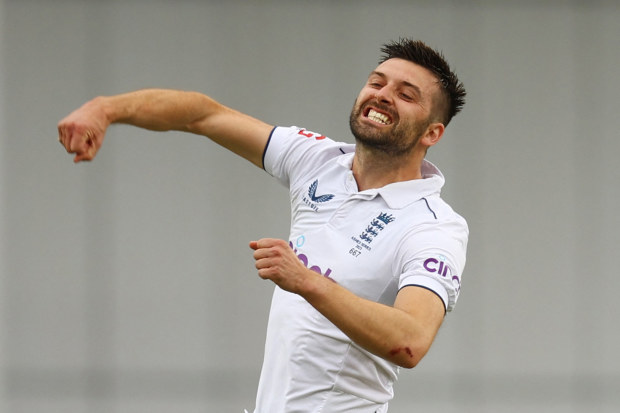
<point>400,194</point>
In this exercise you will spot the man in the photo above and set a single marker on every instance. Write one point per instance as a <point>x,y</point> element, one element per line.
<point>374,258</point>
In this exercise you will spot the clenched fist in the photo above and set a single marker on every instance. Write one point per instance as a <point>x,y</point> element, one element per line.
<point>82,132</point>
<point>276,261</point>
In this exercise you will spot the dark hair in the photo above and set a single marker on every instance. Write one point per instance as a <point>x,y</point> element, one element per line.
<point>452,90</point>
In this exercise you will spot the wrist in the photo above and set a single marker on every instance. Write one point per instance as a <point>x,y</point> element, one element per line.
<point>100,109</point>
<point>315,286</point>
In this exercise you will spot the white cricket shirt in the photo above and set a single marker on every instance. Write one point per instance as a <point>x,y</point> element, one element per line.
<point>373,243</point>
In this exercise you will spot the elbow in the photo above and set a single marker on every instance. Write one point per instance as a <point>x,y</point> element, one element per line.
<point>409,364</point>
<point>406,357</point>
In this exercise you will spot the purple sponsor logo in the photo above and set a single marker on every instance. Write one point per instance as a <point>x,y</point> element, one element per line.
<point>434,265</point>
<point>304,260</point>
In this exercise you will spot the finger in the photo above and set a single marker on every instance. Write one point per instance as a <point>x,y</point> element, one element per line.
<point>80,157</point>
<point>266,273</point>
<point>262,263</point>
<point>71,144</point>
<point>89,146</point>
<point>64,137</point>
<point>262,253</point>
<point>66,134</point>
<point>73,139</point>
<point>60,135</point>
<point>80,141</point>
<point>262,243</point>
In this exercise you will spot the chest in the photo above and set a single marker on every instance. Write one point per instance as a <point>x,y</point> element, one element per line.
<point>352,238</point>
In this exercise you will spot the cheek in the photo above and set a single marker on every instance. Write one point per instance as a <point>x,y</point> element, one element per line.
<point>357,106</point>
<point>413,116</point>
<point>365,95</point>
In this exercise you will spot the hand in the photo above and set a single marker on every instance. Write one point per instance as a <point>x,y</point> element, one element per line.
<point>82,132</point>
<point>276,261</point>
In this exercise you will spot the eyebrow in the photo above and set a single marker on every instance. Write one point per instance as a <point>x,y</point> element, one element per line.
<point>403,82</point>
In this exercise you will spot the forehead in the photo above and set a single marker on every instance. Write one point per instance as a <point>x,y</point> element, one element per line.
<point>404,71</point>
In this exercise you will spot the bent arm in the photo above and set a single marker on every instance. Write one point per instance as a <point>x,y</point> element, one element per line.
<point>401,334</point>
<point>83,131</point>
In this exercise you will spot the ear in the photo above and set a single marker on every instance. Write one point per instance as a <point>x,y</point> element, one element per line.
<point>433,134</point>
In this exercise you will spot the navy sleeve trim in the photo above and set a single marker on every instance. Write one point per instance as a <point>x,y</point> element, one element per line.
<point>445,305</point>
<point>266,146</point>
<point>429,208</point>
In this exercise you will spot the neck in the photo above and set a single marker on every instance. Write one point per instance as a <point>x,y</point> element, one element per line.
<point>373,169</point>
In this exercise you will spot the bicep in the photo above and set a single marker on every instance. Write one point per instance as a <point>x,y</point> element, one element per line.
<point>426,308</point>
<point>240,133</point>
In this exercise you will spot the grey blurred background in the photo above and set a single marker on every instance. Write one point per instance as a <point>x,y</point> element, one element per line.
<point>126,284</point>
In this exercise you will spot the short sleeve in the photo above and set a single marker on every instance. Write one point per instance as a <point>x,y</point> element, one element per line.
<point>293,153</point>
<point>433,257</point>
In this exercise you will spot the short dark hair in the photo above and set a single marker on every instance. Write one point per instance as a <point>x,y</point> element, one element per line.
<point>452,90</point>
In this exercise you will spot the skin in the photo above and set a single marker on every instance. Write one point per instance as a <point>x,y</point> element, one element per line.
<point>385,153</point>
<point>404,92</point>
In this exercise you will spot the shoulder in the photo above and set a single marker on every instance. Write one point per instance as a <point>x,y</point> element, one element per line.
<point>294,148</point>
<point>293,137</point>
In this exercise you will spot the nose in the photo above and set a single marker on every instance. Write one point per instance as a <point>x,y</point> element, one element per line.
<point>383,95</point>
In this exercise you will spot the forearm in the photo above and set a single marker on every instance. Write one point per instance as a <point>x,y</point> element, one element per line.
<point>157,109</point>
<point>388,332</point>
<point>401,334</point>
<point>83,131</point>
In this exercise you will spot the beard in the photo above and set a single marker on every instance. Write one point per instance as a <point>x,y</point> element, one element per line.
<point>398,140</point>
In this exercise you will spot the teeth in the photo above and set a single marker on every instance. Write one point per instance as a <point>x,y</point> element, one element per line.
<point>378,117</point>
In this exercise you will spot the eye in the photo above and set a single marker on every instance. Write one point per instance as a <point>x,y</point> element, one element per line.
<point>406,97</point>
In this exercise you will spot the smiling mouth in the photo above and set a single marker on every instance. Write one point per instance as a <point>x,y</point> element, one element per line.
<point>378,117</point>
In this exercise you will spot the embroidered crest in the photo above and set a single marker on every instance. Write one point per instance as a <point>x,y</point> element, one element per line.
<point>372,231</point>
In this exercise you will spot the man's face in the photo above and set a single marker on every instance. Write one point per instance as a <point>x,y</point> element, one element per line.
<point>393,109</point>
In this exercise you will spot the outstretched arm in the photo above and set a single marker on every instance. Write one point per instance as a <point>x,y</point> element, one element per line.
<point>83,131</point>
